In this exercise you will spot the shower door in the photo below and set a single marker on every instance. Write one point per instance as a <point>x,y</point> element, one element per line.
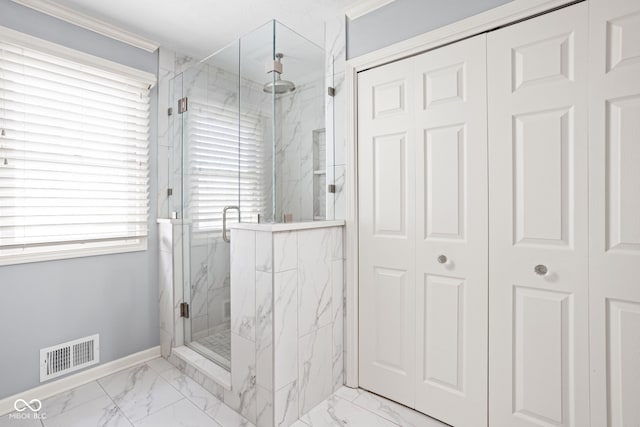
<point>227,134</point>
<point>210,182</point>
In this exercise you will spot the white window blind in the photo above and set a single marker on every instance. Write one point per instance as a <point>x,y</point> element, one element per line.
<point>226,163</point>
<point>74,148</point>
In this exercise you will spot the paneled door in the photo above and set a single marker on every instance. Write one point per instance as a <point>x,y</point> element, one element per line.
<point>614,197</point>
<point>386,169</point>
<point>451,233</point>
<point>423,232</point>
<point>538,270</point>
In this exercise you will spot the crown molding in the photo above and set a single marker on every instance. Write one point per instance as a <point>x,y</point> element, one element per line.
<point>365,6</point>
<point>90,23</point>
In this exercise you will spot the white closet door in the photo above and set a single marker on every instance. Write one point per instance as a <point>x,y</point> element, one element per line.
<point>386,170</point>
<point>451,221</point>
<point>538,322</point>
<point>614,196</point>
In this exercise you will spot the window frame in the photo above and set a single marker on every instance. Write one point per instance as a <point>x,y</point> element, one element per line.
<point>90,247</point>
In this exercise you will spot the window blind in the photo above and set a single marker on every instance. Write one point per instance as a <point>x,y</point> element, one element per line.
<point>74,148</point>
<point>226,163</point>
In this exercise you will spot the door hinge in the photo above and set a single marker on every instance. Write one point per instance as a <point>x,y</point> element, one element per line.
<point>331,188</point>
<point>184,310</point>
<point>183,105</point>
<point>331,91</point>
<point>169,191</point>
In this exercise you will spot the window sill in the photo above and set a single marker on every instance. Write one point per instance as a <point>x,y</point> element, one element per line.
<point>91,249</point>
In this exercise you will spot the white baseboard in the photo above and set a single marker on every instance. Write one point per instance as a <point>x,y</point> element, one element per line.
<point>67,383</point>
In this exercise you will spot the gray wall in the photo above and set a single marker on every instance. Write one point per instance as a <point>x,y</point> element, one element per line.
<point>404,19</point>
<point>46,303</point>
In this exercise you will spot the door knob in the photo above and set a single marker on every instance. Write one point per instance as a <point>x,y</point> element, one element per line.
<point>540,270</point>
<point>442,259</point>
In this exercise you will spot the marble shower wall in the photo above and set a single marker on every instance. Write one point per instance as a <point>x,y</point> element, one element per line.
<point>210,291</point>
<point>170,284</point>
<point>297,115</point>
<point>287,322</point>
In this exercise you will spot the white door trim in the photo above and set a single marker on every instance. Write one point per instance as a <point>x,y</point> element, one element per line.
<point>509,13</point>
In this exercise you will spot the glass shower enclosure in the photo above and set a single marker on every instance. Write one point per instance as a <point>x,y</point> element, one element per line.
<point>250,143</point>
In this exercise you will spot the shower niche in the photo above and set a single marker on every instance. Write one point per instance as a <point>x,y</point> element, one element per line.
<point>249,154</point>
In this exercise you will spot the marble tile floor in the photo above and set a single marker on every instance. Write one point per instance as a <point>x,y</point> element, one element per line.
<point>155,394</point>
<point>219,343</point>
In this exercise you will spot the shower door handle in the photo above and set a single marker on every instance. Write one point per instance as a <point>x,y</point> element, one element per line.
<point>224,221</point>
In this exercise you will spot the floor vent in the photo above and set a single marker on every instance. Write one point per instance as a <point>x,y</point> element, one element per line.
<point>71,356</point>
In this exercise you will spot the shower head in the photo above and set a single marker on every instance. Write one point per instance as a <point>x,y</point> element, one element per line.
<point>278,86</point>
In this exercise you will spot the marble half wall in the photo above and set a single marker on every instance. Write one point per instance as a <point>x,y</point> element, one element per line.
<point>287,321</point>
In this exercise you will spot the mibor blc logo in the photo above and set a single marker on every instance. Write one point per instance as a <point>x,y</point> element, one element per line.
<point>25,410</point>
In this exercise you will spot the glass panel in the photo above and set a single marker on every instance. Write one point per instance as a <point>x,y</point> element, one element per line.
<point>330,135</point>
<point>300,116</point>
<point>256,125</point>
<point>253,138</point>
<point>175,153</point>
<point>212,129</point>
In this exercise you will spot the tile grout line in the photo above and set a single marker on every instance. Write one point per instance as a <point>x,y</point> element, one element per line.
<point>113,401</point>
<point>378,397</point>
<point>191,401</point>
<point>167,405</point>
<point>366,409</point>
<point>150,413</point>
<point>187,397</point>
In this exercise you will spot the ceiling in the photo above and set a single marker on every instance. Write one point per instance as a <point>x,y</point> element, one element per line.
<point>201,27</point>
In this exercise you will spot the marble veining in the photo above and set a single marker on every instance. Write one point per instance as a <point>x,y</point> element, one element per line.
<point>264,309</point>
<point>139,391</point>
<point>299,114</point>
<point>265,407</point>
<point>314,272</point>
<point>195,407</point>
<point>71,399</point>
<point>286,405</point>
<point>337,302</point>
<point>165,291</point>
<point>315,365</point>
<point>181,414</point>
<point>193,391</point>
<point>285,328</point>
<point>243,297</point>
<point>285,251</point>
<point>242,396</point>
<point>337,412</point>
<point>294,360</point>
<point>100,412</point>
<point>206,373</point>
<point>264,330</point>
<point>199,283</point>
<point>394,412</point>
